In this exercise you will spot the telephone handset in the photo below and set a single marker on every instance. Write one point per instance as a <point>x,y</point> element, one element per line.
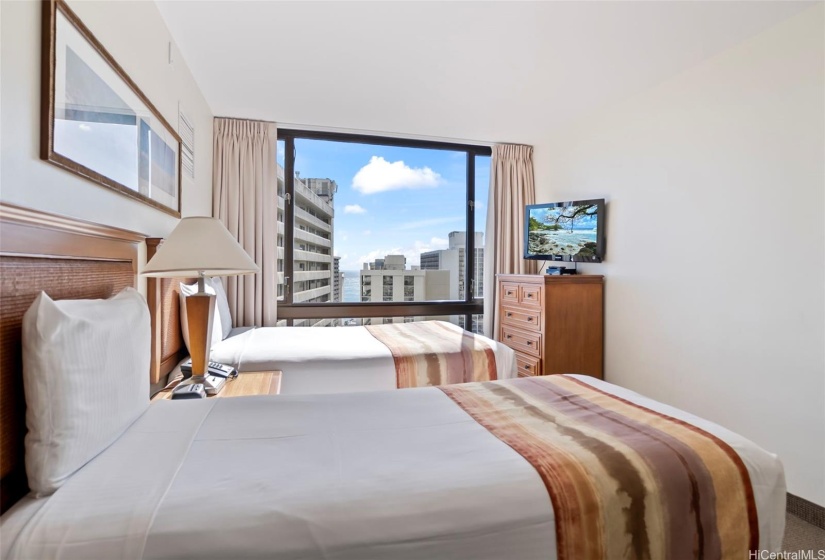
<point>213,368</point>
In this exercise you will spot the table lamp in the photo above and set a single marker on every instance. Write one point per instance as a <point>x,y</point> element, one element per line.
<point>200,246</point>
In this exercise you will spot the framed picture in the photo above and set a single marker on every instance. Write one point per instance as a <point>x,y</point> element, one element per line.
<point>96,122</point>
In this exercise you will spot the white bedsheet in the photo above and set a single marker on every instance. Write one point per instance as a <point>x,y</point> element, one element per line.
<point>326,360</point>
<point>396,474</point>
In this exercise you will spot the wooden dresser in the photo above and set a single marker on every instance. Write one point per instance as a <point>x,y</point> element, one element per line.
<point>554,323</point>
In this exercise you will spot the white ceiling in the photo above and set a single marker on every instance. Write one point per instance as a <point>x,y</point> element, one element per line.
<point>484,71</point>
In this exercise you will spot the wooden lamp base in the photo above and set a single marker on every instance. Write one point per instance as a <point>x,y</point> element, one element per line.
<point>200,314</point>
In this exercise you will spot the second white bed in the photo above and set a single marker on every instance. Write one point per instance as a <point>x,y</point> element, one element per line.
<point>399,474</point>
<point>326,360</point>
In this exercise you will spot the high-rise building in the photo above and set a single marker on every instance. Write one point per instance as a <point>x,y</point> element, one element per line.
<point>389,279</point>
<point>337,278</point>
<point>452,260</point>
<point>313,264</point>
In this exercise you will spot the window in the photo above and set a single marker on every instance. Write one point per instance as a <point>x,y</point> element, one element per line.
<point>362,213</point>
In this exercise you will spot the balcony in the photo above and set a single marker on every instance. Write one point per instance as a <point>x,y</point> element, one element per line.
<point>312,238</point>
<point>309,256</point>
<point>302,191</point>
<point>306,295</point>
<point>301,214</point>
<point>307,275</point>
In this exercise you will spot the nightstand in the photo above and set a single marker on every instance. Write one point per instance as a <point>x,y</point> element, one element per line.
<point>247,383</point>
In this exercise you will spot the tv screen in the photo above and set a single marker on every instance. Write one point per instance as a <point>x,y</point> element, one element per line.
<point>565,231</point>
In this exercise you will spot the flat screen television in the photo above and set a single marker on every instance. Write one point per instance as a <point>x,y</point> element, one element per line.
<point>565,231</point>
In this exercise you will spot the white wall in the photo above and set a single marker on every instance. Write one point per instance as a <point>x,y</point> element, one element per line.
<point>715,271</point>
<point>135,34</point>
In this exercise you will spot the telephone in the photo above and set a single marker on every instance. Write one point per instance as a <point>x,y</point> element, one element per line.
<point>189,391</point>
<point>213,368</point>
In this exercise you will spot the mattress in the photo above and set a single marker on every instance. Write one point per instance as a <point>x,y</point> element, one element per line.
<point>395,474</point>
<point>326,360</point>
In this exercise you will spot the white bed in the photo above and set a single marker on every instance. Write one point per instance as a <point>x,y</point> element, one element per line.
<point>395,474</point>
<point>326,360</point>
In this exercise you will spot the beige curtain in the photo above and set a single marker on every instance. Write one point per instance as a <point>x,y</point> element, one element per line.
<point>244,191</point>
<point>511,189</point>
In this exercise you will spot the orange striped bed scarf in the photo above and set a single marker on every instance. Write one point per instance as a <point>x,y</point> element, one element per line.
<point>432,353</point>
<point>624,481</point>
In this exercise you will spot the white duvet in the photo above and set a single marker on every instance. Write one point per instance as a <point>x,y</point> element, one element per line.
<point>402,474</point>
<point>326,360</point>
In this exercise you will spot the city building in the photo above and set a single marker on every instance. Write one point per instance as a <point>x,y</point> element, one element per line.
<point>452,260</point>
<point>313,265</point>
<point>337,279</point>
<point>389,279</point>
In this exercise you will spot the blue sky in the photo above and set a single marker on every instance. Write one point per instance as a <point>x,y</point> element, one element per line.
<point>390,199</point>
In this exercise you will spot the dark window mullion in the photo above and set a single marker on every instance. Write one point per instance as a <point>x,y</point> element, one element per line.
<point>470,242</point>
<point>383,141</point>
<point>289,216</point>
<point>293,311</point>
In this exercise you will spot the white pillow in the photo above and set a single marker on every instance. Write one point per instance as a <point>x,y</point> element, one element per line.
<point>86,379</point>
<point>222,304</point>
<point>217,321</point>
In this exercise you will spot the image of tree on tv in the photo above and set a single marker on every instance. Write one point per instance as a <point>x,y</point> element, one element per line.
<point>563,230</point>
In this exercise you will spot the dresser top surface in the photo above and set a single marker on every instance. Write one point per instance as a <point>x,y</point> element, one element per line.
<point>552,278</point>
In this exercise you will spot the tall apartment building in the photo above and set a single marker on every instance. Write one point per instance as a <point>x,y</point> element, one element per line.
<point>452,260</point>
<point>337,278</point>
<point>389,279</point>
<point>313,265</point>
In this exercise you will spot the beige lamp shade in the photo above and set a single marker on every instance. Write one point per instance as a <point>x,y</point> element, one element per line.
<point>200,246</point>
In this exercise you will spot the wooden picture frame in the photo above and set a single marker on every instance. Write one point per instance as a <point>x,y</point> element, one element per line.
<point>97,123</point>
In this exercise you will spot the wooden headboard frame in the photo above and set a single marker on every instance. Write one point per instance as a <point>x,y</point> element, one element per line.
<point>163,296</point>
<point>68,259</point>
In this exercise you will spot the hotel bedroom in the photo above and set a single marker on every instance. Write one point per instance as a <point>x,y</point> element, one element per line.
<point>625,360</point>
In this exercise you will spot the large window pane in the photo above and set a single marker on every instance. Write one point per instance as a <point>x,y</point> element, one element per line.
<point>379,222</point>
<point>379,213</point>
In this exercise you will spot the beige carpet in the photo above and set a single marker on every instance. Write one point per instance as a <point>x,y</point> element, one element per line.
<point>800,535</point>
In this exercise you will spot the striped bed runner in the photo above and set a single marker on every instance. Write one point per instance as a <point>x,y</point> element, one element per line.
<point>432,353</point>
<point>625,481</point>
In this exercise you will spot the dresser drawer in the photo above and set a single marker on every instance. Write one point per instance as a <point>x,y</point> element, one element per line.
<point>530,294</point>
<point>527,365</point>
<point>509,292</point>
<point>520,317</point>
<point>522,341</point>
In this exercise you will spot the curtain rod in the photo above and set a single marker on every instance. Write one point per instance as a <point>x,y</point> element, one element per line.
<point>316,128</point>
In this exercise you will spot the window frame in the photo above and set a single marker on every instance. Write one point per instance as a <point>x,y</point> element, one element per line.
<point>290,311</point>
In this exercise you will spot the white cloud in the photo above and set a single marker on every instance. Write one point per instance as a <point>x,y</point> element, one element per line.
<point>412,252</point>
<point>354,209</point>
<point>376,254</point>
<point>428,223</point>
<point>366,232</point>
<point>380,175</point>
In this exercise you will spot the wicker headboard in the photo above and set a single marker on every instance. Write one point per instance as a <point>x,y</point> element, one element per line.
<point>163,296</point>
<point>68,259</point>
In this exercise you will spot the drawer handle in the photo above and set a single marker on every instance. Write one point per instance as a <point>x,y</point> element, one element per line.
<point>530,319</point>
<point>509,314</point>
<point>529,295</point>
<point>526,366</point>
<point>529,343</point>
<point>509,293</point>
<point>509,336</point>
